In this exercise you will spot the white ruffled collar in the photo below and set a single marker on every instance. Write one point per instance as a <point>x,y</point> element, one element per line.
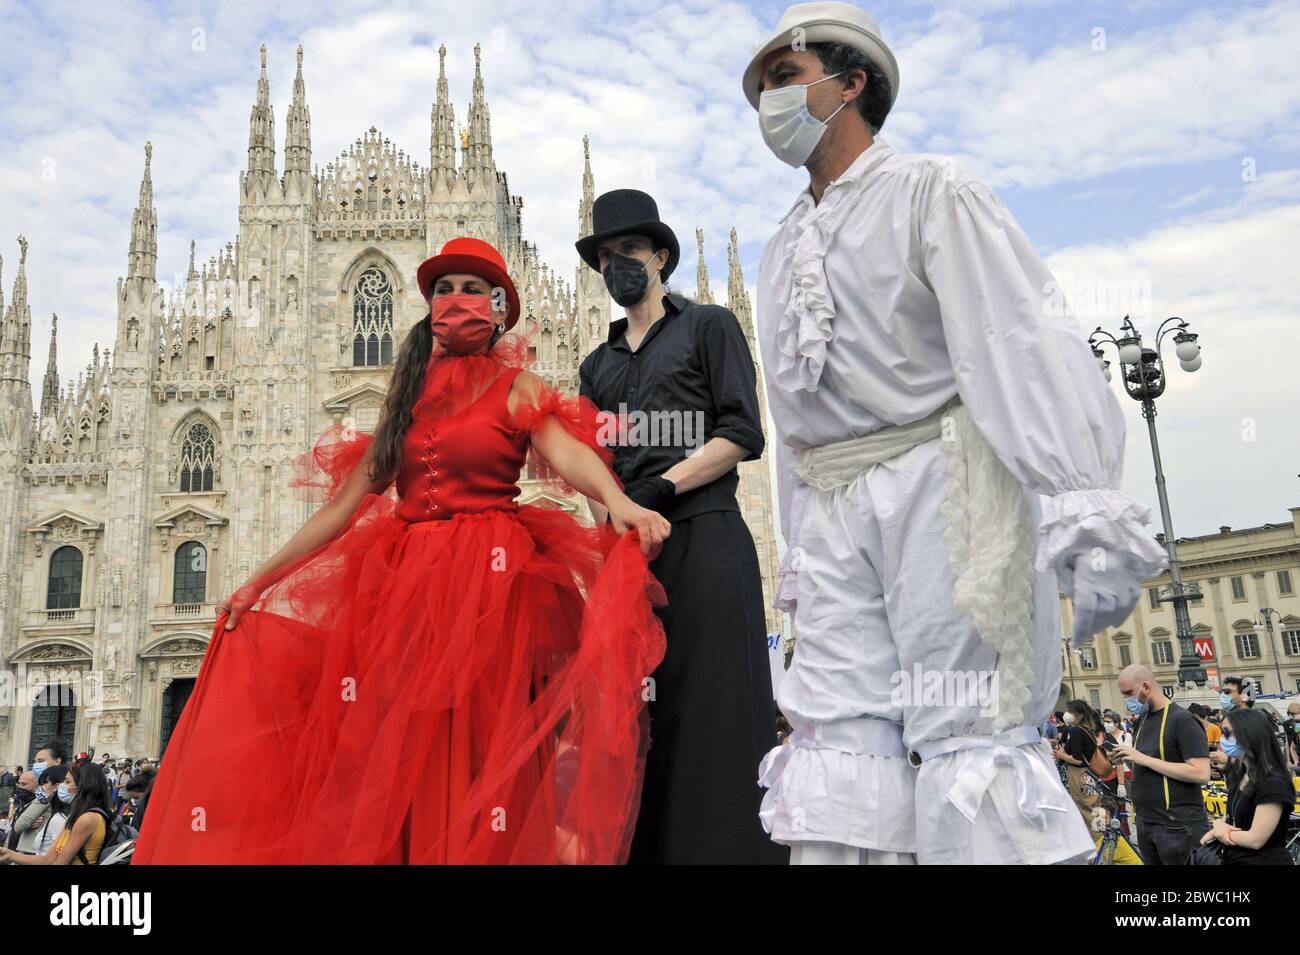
<point>805,326</point>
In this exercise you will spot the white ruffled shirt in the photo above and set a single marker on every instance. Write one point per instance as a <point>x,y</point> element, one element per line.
<point>910,283</point>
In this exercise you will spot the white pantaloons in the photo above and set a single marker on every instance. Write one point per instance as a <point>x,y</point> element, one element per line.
<point>879,641</point>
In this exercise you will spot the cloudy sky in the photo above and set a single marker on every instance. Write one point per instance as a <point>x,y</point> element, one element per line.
<point>1150,149</point>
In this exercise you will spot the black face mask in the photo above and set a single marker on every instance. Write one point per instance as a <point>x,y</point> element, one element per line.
<point>626,278</point>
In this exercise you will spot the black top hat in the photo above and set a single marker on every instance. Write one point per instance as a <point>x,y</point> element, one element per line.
<point>625,211</point>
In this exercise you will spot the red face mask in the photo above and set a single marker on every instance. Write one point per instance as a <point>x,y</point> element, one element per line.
<point>462,323</point>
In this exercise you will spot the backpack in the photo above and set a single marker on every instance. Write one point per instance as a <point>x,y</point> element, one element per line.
<point>119,841</point>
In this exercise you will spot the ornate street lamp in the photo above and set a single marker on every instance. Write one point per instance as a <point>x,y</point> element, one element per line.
<point>1143,371</point>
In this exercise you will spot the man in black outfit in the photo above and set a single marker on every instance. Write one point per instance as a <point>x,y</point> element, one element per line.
<point>1171,761</point>
<point>680,377</point>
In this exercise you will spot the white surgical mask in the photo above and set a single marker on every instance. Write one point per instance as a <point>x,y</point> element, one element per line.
<point>1069,718</point>
<point>789,129</point>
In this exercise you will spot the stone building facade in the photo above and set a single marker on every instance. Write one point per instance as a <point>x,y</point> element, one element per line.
<point>135,498</point>
<point>1240,573</point>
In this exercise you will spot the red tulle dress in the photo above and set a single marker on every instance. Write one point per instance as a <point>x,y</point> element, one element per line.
<point>455,678</point>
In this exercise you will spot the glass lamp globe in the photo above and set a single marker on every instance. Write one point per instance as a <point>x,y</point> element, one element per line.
<point>1191,365</point>
<point>1130,354</point>
<point>1188,350</point>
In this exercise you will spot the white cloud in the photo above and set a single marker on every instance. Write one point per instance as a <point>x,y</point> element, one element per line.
<point>1209,86</point>
<point>1230,425</point>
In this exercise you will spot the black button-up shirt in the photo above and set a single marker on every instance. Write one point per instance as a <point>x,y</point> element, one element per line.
<point>693,362</point>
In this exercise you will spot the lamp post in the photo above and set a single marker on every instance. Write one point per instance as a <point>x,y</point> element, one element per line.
<point>1143,372</point>
<point>1069,662</point>
<point>1267,613</point>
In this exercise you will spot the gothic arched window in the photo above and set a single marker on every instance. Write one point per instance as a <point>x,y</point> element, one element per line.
<point>197,455</point>
<point>190,577</point>
<point>372,319</point>
<point>64,592</point>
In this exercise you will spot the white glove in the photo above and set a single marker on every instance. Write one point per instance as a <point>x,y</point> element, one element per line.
<point>1103,586</point>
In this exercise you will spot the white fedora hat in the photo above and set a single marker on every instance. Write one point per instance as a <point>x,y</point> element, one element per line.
<point>826,22</point>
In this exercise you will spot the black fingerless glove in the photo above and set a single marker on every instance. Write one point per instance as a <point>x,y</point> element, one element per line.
<point>653,493</point>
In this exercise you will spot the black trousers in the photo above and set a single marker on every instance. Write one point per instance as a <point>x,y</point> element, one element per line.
<point>1162,845</point>
<point>712,717</point>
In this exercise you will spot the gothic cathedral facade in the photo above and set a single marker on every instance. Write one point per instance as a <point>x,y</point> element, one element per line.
<point>137,497</point>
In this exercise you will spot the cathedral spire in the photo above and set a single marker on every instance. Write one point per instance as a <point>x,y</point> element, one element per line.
<point>16,333</point>
<point>50,387</point>
<point>20,280</point>
<point>191,275</point>
<point>261,132</point>
<point>442,122</point>
<point>585,226</point>
<point>143,256</point>
<point>703,294</point>
<point>297,126</point>
<point>478,160</point>
<point>737,296</point>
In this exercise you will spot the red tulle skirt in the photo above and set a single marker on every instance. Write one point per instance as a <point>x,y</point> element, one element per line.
<point>456,691</point>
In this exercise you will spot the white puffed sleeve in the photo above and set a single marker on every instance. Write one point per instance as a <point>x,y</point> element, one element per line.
<point>1029,379</point>
<point>792,498</point>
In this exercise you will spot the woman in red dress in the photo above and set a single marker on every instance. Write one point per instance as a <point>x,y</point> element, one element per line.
<point>443,676</point>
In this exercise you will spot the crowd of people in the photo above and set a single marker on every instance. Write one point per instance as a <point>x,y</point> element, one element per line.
<point>63,811</point>
<point>1143,773</point>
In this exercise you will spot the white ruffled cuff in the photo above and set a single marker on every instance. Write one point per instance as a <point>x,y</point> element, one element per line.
<point>824,795</point>
<point>787,584</point>
<point>787,590</point>
<point>1079,520</point>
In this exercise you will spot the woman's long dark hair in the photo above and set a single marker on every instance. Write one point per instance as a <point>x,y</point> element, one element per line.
<point>92,792</point>
<point>1085,717</point>
<point>1260,755</point>
<point>404,387</point>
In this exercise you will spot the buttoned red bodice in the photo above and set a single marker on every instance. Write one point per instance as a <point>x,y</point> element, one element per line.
<point>467,461</point>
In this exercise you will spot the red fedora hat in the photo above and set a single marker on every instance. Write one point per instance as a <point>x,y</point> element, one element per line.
<point>467,256</point>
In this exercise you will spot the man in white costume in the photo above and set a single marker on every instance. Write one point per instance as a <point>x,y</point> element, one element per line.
<point>926,386</point>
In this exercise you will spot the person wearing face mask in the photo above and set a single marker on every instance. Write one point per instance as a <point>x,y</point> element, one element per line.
<point>1261,795</point>
<point>899,308</point>
<point>23,798</point>
<point>1171,763</point>
<point>53,753</point>
<point>672,360</point>
<point>1076,748</point>
<point>83,795</point>
<point>1239,693</point>
<point>480,664</point>
<point>43,820</point>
